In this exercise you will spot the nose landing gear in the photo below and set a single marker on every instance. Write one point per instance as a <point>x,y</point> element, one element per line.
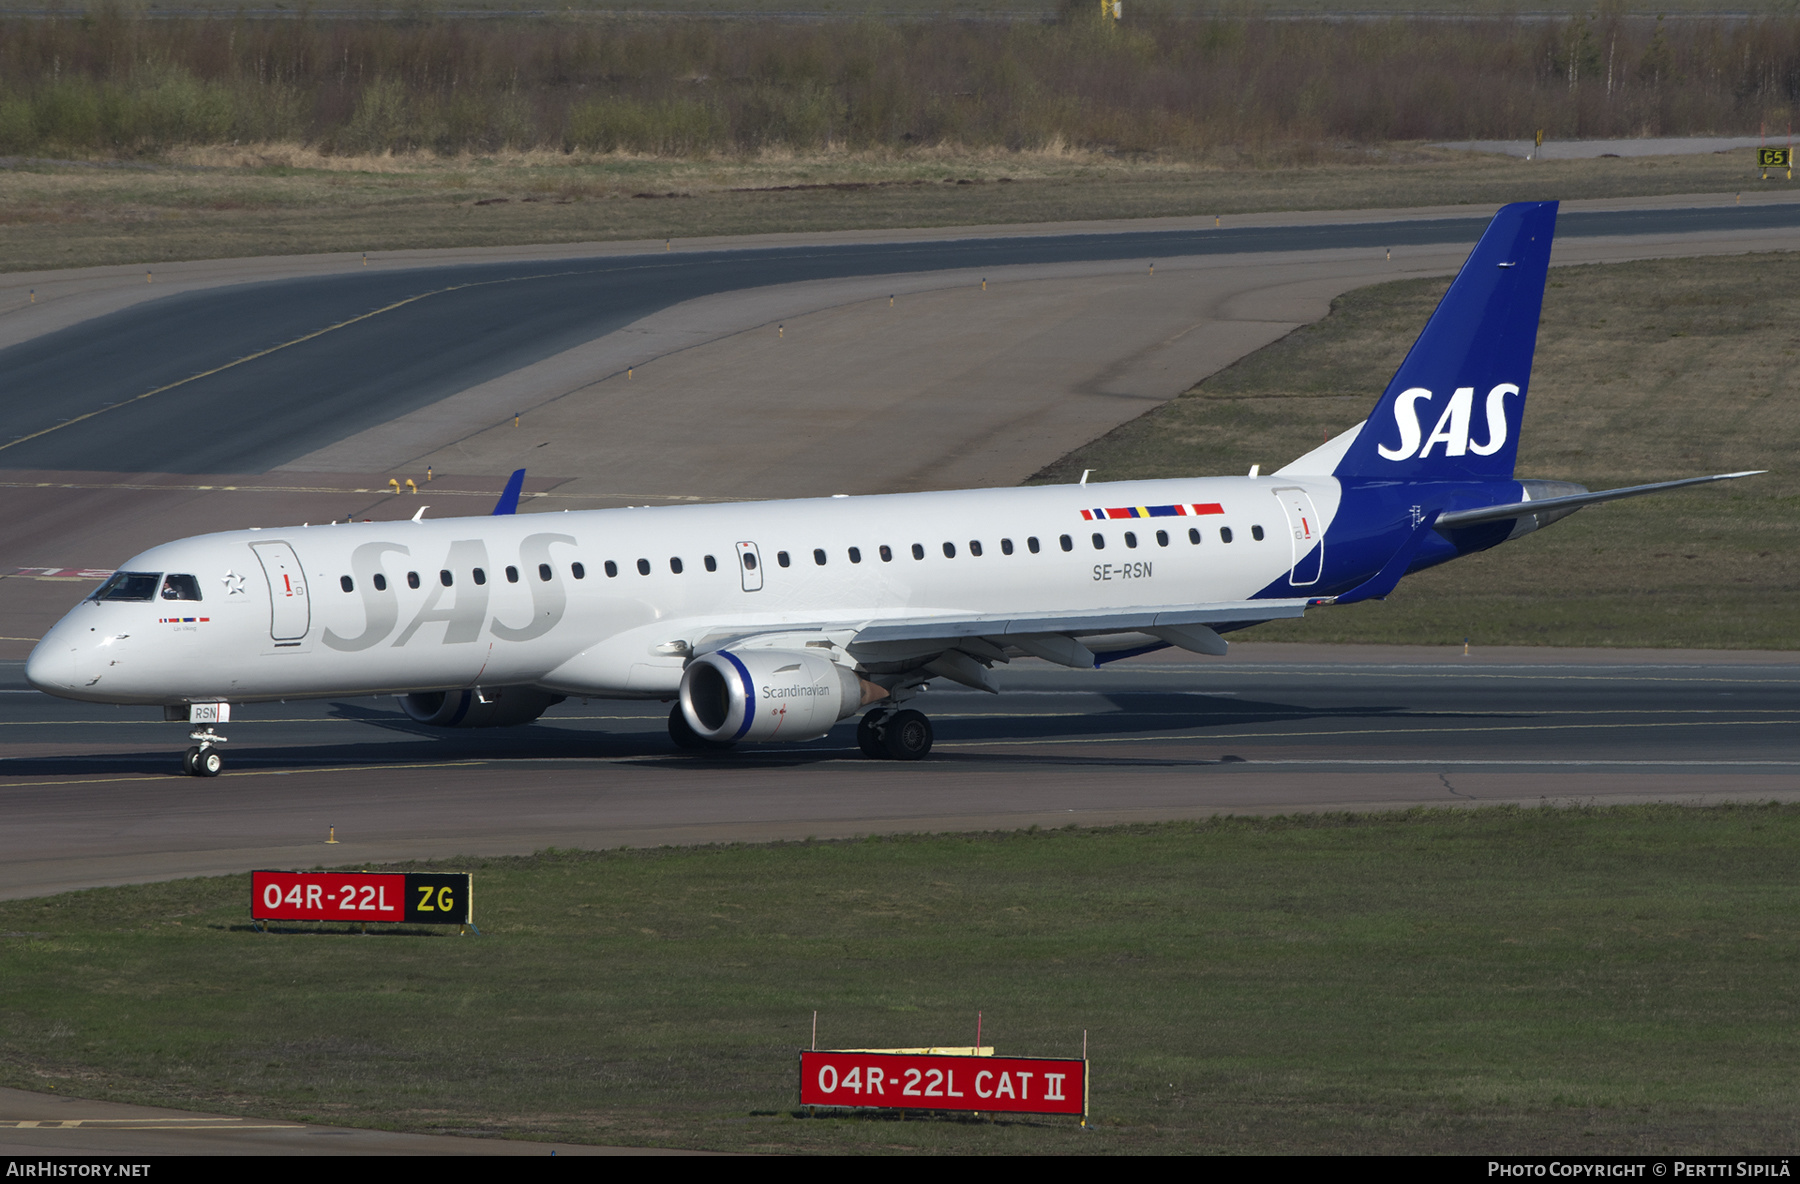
<point>204,759</point>
<point>890,735</point>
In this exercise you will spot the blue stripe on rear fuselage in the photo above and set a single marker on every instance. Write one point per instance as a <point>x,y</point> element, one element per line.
<point>1375,518</point>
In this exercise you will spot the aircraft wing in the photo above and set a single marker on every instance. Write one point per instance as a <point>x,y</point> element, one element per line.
<point>1078,624</point>
<point>962,648</point>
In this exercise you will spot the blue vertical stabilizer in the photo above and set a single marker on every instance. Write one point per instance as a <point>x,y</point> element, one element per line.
<point>1453,410</point>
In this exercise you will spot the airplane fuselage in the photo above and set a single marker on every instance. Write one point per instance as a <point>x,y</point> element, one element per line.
<point>610,602</point>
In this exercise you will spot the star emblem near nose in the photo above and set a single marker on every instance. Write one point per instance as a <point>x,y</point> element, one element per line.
<point>234,584</point>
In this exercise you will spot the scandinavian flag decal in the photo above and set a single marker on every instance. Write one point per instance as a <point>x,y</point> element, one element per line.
<point>1179,510</point>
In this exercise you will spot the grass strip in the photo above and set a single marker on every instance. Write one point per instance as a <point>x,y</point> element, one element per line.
<point>1645,371</point>
<point>286,200</point>
<point>1554,979</point>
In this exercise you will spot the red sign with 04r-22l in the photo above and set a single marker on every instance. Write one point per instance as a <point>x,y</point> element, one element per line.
<point>925,1081</point>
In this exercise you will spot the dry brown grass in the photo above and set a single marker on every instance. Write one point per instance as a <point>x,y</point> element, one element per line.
<point>1645,371</point>
<point>290,199</point>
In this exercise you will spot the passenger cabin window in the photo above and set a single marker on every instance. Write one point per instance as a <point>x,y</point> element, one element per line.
<point>1031,544</point>
<point>711,563</point>
<point>512,575</point>
<point>1256,532</point>
<point>643,567</point>
<point>781,557</point>
<point>1162,538</point>
<point>819,556</point>
<point>578,570</point>
<point>481,576</point>
<point>1131,539</point>
<point>128,585</point>
<point>612,569</point>
<point>180,587</point>
<point>975,547</point>
<point>445,578</point>
<point>887,553</point>
<point>544,572</point>
<point>1194,535</point>
<point>749,561</point>
<point>1068,544</point>
<point>1224,534</point>
<point>856,554</point>
<point>346,584</point>
<point>1099,541</point>
<point>1006,546</point>
<point>412,579</point>
<point>949,550</point>
<point>675,564</point>
<point>380,582</point>
<point>918,551</point>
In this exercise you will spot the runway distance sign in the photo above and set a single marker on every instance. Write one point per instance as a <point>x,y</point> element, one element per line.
<point>416,898</point>
<point>921,1081</point>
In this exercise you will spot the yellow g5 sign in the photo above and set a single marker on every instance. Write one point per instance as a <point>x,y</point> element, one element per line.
<point>1775,158</point>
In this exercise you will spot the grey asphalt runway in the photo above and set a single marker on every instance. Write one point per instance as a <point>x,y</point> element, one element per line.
<point>249,377</point>
<point>91,794</point>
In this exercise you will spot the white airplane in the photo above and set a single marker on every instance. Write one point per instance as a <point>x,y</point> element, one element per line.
<point>772,621</point>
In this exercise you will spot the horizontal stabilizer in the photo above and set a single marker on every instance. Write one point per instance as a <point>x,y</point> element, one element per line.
<point>1458,518</point>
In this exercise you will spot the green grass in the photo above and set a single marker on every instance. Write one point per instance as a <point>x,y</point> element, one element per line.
<point>1473,981</point>
<point>1644,372</point>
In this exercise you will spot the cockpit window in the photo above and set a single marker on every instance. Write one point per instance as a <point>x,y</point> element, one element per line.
<point>130,585</point>
<point>180,587</point>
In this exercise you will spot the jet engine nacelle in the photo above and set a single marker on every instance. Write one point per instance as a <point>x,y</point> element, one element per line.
<point>483,707</point>
<point>757,694</point>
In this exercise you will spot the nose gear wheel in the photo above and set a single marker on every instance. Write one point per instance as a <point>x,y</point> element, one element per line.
<point>203,759</point>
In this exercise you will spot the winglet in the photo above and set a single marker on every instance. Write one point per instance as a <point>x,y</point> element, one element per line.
<point>509,500</point>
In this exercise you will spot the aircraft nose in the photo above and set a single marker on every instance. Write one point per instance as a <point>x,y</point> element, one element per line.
<point>51,666</point>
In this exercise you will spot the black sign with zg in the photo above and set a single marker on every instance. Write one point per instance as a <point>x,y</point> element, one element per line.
<point>438,898</point>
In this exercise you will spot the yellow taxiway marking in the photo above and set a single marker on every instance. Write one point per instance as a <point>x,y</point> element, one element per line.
<point>1485,672</point>
<point>261,353</point>
<point>334,489</point>
<point>253,773</point>
<point>145,1124</point>
<point>1470,732</point>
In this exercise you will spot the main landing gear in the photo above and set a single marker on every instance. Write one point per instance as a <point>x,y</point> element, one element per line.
<point>894,735</point>
<point>204,759</point>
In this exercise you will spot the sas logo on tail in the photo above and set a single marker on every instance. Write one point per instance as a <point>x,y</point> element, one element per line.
<point>1452,430</point>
